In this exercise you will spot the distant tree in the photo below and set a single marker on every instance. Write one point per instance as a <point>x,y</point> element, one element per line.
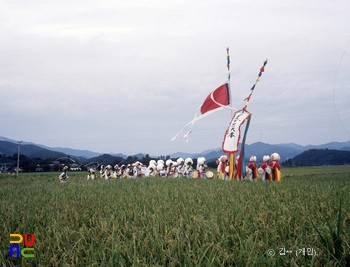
<point>46,168</point>
<point>287,163</point>
<point>25,164</point>
<point>15,155</point>
<point>118,160</point>
<point>212,164</point>
<point>299,163</point>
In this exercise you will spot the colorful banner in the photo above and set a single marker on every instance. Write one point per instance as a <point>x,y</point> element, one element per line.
<point>241,163</point>
<point>232,134</point>
<point>216,100</point>
<point>247,99</point>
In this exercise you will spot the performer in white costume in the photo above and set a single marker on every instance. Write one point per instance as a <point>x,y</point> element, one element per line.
<point>129,171</point>
<point>180,169</point>
<point>224,167</point>
<point>137,170</point>
<point>102,171</point>
<point>151,171</point>
<point>171,167</point>
<point>64,175</point>
<point>108,172</point>
<point>262,169</point>
<point>188,167</point>
<point>161,170</point>
<point>201,168</point>
<point>91,174</point>
<point>252,169</point>
<point>117,172</point>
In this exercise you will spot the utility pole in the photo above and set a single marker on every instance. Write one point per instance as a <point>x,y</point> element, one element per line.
<point>18,153</point>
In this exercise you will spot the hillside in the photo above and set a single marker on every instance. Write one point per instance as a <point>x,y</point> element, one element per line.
<point>319,157</point>
<point>31,151</point>
<point>321,154</point>
<point>73,152</point>
<point>106,159</point>
<point>260,149</point>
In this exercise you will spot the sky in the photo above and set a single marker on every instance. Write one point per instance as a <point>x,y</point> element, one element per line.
<point>125,76</point>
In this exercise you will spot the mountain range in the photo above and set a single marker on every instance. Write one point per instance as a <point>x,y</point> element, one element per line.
<point>287,151</point>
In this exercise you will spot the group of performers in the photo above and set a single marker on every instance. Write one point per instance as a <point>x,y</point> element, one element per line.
<point>269,169</point>
<point>179,168</point>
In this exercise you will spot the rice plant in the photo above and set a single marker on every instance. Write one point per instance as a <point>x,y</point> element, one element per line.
<point>179,222</point>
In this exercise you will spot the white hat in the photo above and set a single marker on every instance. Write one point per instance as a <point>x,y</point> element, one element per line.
<point>275,157</point>
<point>266,158</point>
<point>179,161</point>
<point>223,158</point>
<point>160,166</point>
<point>252,158</point>
<point>188,160</point>
<point>168,162</point>
<point>201,160</point>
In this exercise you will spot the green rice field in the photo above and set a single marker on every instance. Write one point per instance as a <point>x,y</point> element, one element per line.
<point>302,221</point>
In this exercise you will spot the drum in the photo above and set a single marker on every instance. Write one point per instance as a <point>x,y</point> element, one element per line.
<point>268,170</point>
<point>194,174</point>
<point>175,175</point>
<point>248,170</point>
<point>227,169</point>
<point>209,174</point>
<point>261,170</point>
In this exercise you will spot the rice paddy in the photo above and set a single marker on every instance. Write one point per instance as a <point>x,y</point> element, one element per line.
<point>302,221</point>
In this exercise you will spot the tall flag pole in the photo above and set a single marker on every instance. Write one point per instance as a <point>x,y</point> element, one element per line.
<point>229,74</point>
<point>232,134</point>
<point>247,99</point>
<point>231,154</point>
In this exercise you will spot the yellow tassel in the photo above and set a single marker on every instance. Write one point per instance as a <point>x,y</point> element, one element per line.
<point>232,166</point>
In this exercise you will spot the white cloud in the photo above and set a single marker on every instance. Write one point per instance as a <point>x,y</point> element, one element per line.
<point>126,76</point>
